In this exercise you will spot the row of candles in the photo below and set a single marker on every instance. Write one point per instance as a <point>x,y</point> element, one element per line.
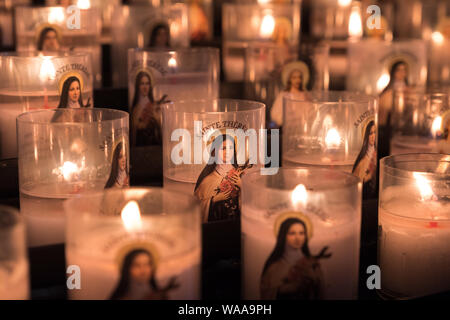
<point>300,223</point>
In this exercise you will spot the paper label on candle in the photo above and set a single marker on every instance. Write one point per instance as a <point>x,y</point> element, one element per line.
<point>119,176</point>
<point>145,108</point>
<point>218,186</point>
<point>48,36</point>
<point>137,264</point>
<point>365,166</point>
<point>292,271</point>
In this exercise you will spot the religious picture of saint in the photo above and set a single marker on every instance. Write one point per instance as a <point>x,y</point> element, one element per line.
<point>218,186</point>
<point>295,77</point>
<point>137,278</point>
<point>160,36</point>
<point>365,166</point>
<point>48,39</point>
<point>118,177</point>
<point>145,112</point>
<point>291,272</point>
<point>398,81</point>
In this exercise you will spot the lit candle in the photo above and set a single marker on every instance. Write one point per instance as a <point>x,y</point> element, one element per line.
<point>414,225</point>
<point>135,244</point>
<point>58,160</point>
<point>27,77</point>
<point>300,234</point>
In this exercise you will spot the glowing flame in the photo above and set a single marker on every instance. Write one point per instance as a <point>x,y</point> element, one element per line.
<point>69,169</point>
<point>436,126</point>
<point>131,216</point>
<point>172,62</point>
<point>56,15</point>
<point>83,4</point>
<point>437,37</point>
<point>267,26</point>
<point>424,186</point>
<point>383,81</point>
<point>355,24</point>
<point>263,1</point>
<point>47,71</point>
<point>332,139</point>
<point>344,3</point>
<point>299,195</point>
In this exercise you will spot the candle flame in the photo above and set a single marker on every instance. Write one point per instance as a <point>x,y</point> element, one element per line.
<point>344,3</point>
<point>172,62</point>
<point>267,26</point>
<point>355,24</point>
<point>437,37</point>
<point>332,139</point>
<point>299,195</point>
<point>424,186</point>
<point>383,81</point>
<point>131,216</point>
<point>56,15</point>
<point>68,169</point>
<point>436,126</point>
<point>83,4</point>
<point>47,71</point>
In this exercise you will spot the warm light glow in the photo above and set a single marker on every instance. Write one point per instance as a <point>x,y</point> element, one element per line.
<point>355,24</point>
<point>56,15</point>
<point>83,4</point>
<point>344,3</point>
<point>424,186</point>
<point>172,62</point>
<point>333,138</point>
<point>47,71</point>
<point>299,195</point>
<point>267,26</point>
<point>69,169</point>
<point>263,1</point>
<point>437,37</point>
<point>131,216</point>
<point>436,126</point>
<point>383,81</point>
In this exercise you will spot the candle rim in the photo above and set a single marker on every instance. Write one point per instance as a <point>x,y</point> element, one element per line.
<point>250,106</point>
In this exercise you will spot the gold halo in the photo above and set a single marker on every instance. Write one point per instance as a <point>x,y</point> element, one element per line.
<point>293,214</point>
<point>147,72</point>
<point>42,26</point>
<point>367,121</point>
<point>122,252</point>
<point>296,65</point>
<point>66,76</point>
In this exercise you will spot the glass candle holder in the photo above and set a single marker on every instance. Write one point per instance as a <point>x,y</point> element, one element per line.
<point>50,29</point>
<point>33,81</point>
<point>243,24</point>
<point>207,146</point>
<point>270,71</point>
<point>335,130</point>
<point>14,282</point>
<point>135,244</point>
<point>301,234</point>
<point>159,76</point>
<point>414,225</point>
<point>63,153</point>
<point>6,21</point>
<point>138,27</point>
<point>420,123</point>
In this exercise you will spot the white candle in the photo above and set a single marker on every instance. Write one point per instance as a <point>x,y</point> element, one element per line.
<point>414,251</point>
<point>168,244</point>
<point>302,242</point>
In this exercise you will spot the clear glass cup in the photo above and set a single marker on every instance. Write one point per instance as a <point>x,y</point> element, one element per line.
<point>135,243</point>
<point>65,152</point>
<point>414,225</point>
<point>301,234</point>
